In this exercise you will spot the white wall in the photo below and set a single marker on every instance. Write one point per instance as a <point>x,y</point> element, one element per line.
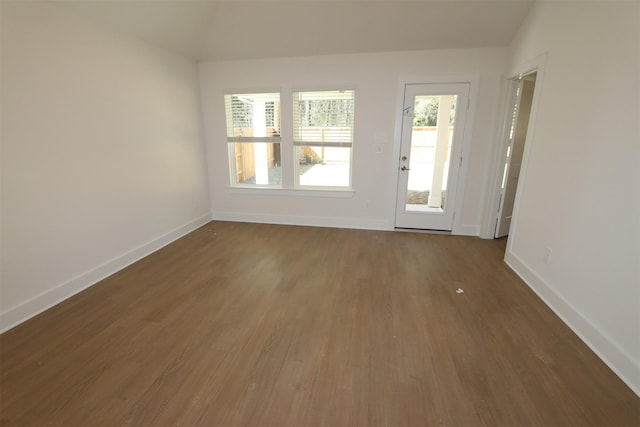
<point>377,80</point>
<point>580,195</point>
<point>102,154</point>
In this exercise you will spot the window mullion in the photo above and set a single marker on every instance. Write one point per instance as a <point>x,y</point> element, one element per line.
<point>286,144</point>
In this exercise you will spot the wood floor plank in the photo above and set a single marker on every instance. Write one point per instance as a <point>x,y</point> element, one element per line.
<point>272,325</point>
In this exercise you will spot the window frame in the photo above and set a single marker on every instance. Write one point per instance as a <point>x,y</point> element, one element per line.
<point>232,141</point>
<point>297,146</point>
<point>289,184</point>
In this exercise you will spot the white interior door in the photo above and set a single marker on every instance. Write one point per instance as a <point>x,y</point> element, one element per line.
<point>522,97</point>
<point>430,154</point>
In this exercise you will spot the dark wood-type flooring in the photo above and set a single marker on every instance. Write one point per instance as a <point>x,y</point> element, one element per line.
<point>253,324</point>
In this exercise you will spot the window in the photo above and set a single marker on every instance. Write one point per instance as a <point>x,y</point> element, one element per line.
<point>253,139</point>
<point>323,137</point>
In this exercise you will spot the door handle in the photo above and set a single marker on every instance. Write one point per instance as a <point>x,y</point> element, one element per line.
<point>404,168</point>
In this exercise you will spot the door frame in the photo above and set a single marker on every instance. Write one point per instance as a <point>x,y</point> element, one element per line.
<point>536,65</point>
<point>520,98</point>
<point>430,219</point>
<point>457,204</point>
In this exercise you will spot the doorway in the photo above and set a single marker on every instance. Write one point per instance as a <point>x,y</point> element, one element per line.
<point>430,155</point>
<point>521,99</point>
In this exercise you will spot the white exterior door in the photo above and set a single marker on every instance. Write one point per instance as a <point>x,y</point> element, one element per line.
<point>430,154</point>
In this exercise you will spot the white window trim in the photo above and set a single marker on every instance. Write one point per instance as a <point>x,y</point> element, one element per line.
<point>232,139</point>
<point>295,145</point>
<point>290,183</point>
<point>331,192</point>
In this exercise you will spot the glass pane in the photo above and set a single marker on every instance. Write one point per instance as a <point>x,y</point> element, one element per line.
<point>253,115</point>
<point>323,117</point>
<point>255,163</point>
<point>324,166</point>
<point>431,137</point>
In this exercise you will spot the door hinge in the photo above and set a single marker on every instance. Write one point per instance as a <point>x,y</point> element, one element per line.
<point>460,161</point>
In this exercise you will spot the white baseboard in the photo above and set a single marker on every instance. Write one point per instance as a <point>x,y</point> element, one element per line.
<point>609,351</point>
<point>336,222</point>
<point>466,230</point>
<point>311,221</point>
<point>36,305</point>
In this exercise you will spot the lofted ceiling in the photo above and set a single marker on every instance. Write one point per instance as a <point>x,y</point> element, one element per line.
<point>224,30</point>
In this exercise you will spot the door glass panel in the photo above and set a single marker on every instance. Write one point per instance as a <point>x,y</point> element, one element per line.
<point>431,137</point>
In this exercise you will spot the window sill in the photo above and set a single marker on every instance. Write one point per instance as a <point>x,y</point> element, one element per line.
<point>289,192</point>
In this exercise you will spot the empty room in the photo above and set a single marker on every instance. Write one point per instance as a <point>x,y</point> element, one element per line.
<point>319,213</point>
